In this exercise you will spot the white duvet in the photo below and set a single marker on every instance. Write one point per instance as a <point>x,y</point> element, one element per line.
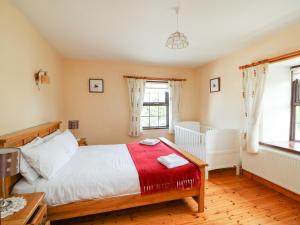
<point>98,171</point>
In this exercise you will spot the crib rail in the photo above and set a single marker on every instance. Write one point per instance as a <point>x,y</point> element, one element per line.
<point>191,136</point>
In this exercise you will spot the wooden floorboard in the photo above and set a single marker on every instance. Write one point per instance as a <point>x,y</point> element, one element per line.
<point>230,200</point>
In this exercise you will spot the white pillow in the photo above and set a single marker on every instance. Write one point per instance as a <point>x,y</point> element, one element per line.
<point>52,135</point>
<point>69,142</point>
<point>47,158</point>
<point>25,169</point>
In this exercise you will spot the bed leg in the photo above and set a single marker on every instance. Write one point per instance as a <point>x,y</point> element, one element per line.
<point>202,189</point>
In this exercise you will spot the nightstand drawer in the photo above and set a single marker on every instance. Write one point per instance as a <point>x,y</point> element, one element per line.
<point>40,216</point>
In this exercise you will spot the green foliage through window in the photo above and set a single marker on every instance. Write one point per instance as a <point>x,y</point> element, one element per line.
<point>155,113</point>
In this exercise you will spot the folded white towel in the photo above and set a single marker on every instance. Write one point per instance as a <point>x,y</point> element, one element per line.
<point>172,161</point>
<point>149,141</point>
<point>172,158</point>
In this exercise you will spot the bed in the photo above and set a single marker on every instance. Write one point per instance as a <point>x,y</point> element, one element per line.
<point>105,192</point>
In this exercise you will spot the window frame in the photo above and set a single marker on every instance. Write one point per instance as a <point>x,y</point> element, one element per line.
<point>166,103</point>
<point>295,101</point>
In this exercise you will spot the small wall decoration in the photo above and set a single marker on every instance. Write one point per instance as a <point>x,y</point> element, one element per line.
<point>41,77</point>
<point>96,85</point>
<point>215,84</point>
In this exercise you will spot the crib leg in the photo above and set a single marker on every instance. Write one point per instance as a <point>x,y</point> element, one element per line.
<point>206,173</point>
<point>238,170</point>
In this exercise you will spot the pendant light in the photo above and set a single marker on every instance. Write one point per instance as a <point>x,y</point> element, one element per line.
<point>177,40</point>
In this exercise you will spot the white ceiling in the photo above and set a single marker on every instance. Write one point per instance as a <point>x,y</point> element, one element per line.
<point>136,30</point>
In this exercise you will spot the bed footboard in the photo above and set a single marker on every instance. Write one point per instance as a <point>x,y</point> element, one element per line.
<point>95,206</point>
<point>201,166</point>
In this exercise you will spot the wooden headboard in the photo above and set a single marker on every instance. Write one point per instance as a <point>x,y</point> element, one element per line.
<point>23,137</point>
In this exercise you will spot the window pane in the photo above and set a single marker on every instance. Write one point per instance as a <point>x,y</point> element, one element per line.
<point>146,97</point>
<point>162,121</point>
<point>154,121</point>
<point>153,110</point>
<point>297,114</point>
<point>154,97</point>
<point>162,110</point>
<point>145,121</point>
<point>162,97</point>
<point>145,111</point>
<point>297,132</point>
<point>297,125</point>
<point>156,85</point>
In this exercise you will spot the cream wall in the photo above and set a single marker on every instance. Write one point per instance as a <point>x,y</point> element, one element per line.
<point>22,52</point>
<point>225,109</point>
<point>104,118</point>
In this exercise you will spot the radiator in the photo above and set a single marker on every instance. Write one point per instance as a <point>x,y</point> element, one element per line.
<point>276,166</point>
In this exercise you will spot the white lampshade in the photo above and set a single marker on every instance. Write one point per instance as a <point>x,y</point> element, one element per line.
<point>177,40</point>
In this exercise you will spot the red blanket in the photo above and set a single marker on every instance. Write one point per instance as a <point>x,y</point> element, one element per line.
<point>155,177</point>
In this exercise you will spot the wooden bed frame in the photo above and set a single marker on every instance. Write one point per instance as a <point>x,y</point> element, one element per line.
<point>94,206</point>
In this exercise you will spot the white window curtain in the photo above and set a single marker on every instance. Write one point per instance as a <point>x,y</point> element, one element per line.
<point>136,88</point>
<point>175,88</point>
<point>254,82</point>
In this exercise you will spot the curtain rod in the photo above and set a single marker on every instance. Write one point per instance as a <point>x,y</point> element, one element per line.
<point>273,60</point>
<point>154,78</point>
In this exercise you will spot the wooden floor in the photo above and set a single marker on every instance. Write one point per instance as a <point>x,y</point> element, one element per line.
<point>229,200</point>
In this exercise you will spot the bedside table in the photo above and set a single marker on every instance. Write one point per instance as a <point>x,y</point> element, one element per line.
<point>34,213</point>
<point>82,141</point>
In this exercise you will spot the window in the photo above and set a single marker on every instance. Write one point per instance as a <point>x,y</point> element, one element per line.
<point>295,106</point>
<point>155,113</point>
<point>280,127</point>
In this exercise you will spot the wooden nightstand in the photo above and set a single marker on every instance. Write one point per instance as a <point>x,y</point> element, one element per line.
<point>82,141</point>
<point>34,213</point>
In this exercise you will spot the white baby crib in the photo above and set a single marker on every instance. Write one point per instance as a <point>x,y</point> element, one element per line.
<point>220,148</point>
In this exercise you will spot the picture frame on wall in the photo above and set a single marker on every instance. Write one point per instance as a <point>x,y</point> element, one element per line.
<point>96,85</point>
<point>215,85</point>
